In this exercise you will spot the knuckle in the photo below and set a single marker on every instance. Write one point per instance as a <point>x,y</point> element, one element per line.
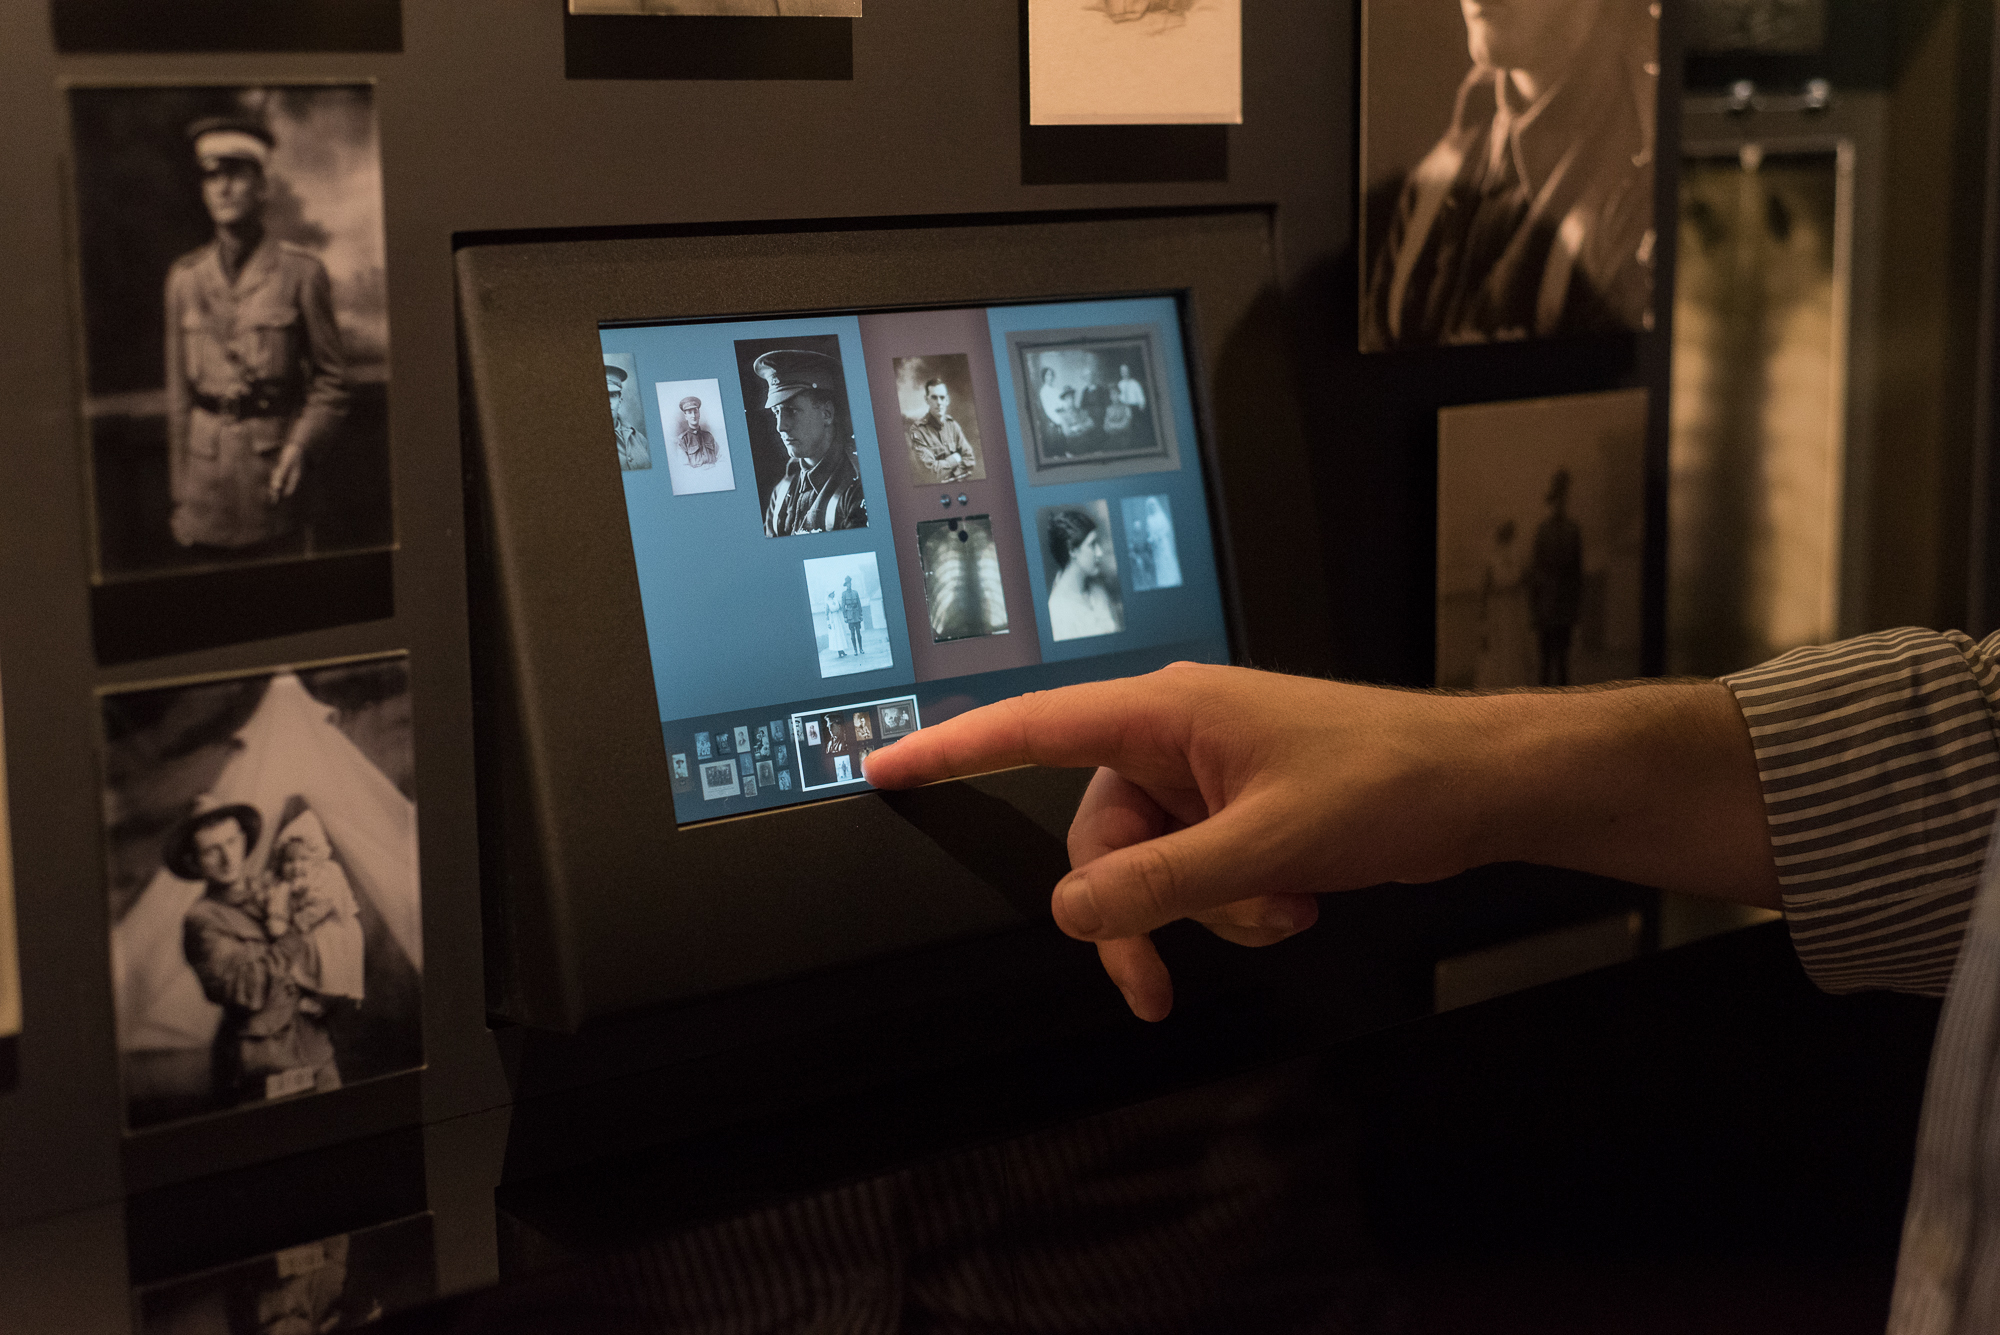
<point>1155,883</point>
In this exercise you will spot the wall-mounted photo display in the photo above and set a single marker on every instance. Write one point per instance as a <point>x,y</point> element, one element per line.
<point>964,590</point>
<point>1541,541</point>
<point>801,431</point>
<point>1081,566</point>
<point>227,25</point>
<point>1508,159</point>
<point>338,1283</point>
<point>628,412</point>
<point>940,420</point>
<point>697,439</point>
<point>231,273</point>
<point>1135,62</point>
<point>10,960</point>
<point>753,9</point>
<point>266,915</point>
<point>1090,404</point>
<point>1789,26</point>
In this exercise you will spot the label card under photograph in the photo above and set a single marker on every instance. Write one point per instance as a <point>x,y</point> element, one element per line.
<point>231,275</point>
<point>1135,62</point>
<point>267,932</point>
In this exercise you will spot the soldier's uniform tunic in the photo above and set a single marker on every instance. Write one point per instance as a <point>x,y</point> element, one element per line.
<point>818,499</point>
<point>935,442</point>
<point>252,366</point>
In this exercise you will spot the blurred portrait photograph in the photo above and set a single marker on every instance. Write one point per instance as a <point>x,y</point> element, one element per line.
<point>939,419</point>
<point>801,431</point>
<point>1081,567</point>
<point>266,918</point>
<point>628,412</point>
<point>1149,543</point>
<point>1541,541</point>
<point>962,588</point>
<point>1508,163</point>
<point>343,1282</point>
<point>1090,404</point>
<point>753,9</point>
<point>850,624</point>
<point>231,271</point>
<point>697,440</point>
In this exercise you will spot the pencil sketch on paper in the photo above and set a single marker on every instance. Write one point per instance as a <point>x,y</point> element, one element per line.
<point>1164,13</point>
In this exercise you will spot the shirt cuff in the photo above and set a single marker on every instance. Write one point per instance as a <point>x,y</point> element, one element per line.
<point>1880,766</point>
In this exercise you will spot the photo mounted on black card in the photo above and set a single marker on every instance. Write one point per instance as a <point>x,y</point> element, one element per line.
<point>940,421</point>
<point>231,270</point>
<point>343,1282</point>
<point>1541,541</point>
<point>1508,166</point>
<point>227,25</point>
<point>1090,404</point>
<point>753,9</point>
<point>266,915</point>
<point>801,433</point>
<point>1791,26</point>
<point>10,963</point>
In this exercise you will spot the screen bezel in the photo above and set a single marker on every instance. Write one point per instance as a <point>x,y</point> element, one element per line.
<point>597,903</point>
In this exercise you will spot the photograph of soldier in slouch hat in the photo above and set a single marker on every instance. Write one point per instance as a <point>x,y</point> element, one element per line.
<point>801,435</point>
<point>236,324</point>
<point>1508,155</point>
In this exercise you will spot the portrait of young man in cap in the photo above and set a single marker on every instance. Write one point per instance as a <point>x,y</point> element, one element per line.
<point>1532,215</point>
<point>628,415</point>
<point>233,281</point>
<point>811,481</point>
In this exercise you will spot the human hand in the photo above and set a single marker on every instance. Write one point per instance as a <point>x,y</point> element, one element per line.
<point>1227,796</point>
<point>285,473</point>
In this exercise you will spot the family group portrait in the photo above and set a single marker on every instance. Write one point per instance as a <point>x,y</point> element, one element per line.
<point>267,926</point>
<point>1091,400</point>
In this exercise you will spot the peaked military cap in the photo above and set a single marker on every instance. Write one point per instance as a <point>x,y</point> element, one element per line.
<point>690,403</point>
<point>222,138</point>
<point>792,371</point>
<point>618,371</point>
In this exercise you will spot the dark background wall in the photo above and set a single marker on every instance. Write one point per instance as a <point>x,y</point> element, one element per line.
<point>916,109</point>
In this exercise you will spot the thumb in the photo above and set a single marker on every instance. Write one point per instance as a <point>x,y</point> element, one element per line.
<point>1145,886</point>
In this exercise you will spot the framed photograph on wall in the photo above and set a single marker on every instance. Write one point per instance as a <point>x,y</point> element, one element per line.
<point>231,271</point>
<point>1541,535</point>
<point>1481,222</point>
<point>266,914</point>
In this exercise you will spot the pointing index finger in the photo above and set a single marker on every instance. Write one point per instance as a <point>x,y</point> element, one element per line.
<point>1099,723</point>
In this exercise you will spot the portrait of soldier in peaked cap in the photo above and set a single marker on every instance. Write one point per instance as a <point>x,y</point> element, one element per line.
<point>802,435</point>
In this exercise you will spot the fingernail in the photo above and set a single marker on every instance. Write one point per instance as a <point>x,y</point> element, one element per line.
<point>1079,906</point>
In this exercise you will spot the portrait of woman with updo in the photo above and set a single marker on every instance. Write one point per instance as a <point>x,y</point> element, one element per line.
<point>1084,597</point>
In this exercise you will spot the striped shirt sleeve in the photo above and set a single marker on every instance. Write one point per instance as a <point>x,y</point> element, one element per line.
<point>1880,762</point>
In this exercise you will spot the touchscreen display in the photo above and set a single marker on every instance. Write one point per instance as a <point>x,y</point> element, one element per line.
<point>849,526</point>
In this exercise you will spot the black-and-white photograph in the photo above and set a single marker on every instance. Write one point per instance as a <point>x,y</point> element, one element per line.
<point>697,444</point>
<point>899,719</point>
<point>339,1283</point>
<point>1541,541</point>
<point>1718,26</point>
<point>719,780</point>
<point>939,419</point>
<point>683,774</point>
<point>1135,62</point>
<point>1090,404</point>
<point>767,774</point>
<point>743,743</point>
<point>1149,541</point>
<point>628,412</point>
<point>1081,567</point>
<point>704,746</point>
<point>962,578</point>
<point>849,621</point>
<point>1508,158</point>
<point>266,917</point>
<point>10,963</point>
<point>753,9</point>
<point>836,740</point>
<point>801,432</point>
<point>236,324</point>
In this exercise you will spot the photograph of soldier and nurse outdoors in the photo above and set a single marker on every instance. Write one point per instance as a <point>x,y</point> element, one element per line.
<point>1541,541</point>
<point>236,324</point>
<point>266,920</point>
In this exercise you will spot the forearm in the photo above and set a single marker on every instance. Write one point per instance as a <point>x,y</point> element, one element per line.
<point>1652,783</point>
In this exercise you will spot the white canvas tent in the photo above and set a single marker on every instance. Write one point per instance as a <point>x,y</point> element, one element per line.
<point>288,748</point>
